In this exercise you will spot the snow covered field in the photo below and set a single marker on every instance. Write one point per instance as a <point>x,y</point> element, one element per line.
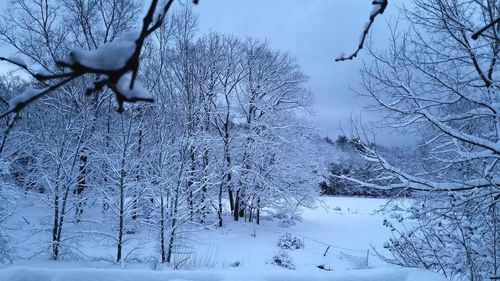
<point>343,228</point>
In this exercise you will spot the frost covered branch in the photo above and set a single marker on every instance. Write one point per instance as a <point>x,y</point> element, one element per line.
<point>378,9</point>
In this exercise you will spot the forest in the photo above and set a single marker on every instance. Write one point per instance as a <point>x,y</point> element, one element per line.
<point>135,146</point>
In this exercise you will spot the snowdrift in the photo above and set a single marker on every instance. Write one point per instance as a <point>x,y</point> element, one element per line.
<point>264,274</point>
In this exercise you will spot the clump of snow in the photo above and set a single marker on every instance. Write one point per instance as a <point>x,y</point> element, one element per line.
<point>24,97</point>
<point>375,9</point>
<point>289,241</point>
<point>282,259</point>
<point>129,36</point>
<point>138,92</point>
<point>110,56</point>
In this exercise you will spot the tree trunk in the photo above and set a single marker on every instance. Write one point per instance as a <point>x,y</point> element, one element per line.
<point>57,240</point>
<point>190,185</point>
<point>204,189</point>
<point>135,203</point>
<point>81,185</point>
<point>242,207</point>
<point>171,243</point>
<point>231,198</point>
<point>162,230</point>
<point>55,243</point>
<point>250,214</point>
<point>122,209</point>
<point>173,226</point>
<point>258,211</point>
<point>236,206</point>
<point>229,179</point>
<point>220,208</point>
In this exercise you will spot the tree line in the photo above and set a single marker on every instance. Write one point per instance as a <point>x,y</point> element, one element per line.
<point>223,136</point>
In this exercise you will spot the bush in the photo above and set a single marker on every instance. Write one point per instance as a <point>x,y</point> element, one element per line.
<point>282,259</point>
<point>289,241</point>
<point>287,215</point>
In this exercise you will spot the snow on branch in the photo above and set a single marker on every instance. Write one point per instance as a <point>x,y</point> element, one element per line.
<point>441,124</point>
<point>115,63</point>
<point>407,181</point>
<point>378,9</point>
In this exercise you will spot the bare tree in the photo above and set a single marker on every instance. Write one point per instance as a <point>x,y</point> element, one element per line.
<point>436,80</point>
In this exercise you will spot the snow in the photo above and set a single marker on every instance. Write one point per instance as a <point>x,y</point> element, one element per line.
<point>347,227</point>
<point>375,9</point>
<point>110,56</point>
<point>25,96</point>
<point>138,92</point>
<point>17,60</point>
<point>268,274</point>
<point>42,72</point>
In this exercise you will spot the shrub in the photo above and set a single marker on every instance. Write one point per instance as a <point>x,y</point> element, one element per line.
<point>288,215</point>
<point>282,259</point>
<point>289,241</point>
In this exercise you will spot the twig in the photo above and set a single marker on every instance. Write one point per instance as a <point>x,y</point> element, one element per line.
<point>478,33</point>
<point>112,76</point>
<point>382,4</point>
<point>19,106</point>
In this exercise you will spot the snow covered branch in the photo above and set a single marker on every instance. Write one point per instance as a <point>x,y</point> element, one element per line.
<point>408,181</point>
<point>115,64</point>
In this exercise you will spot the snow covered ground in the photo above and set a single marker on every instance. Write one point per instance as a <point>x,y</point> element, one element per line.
<point>347,227</point>
<point>343,228</point>
<point>33,274</point>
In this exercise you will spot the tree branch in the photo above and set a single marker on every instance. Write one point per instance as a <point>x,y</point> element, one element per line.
<point>478,33</point>
<point>378,9</point>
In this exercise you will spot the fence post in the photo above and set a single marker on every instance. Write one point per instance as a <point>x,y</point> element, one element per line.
<point>328,248</point>
<point>367,256</point>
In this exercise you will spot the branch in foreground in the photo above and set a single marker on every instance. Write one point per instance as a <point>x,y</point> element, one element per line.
<point>378,9</point>
<point>115,63</point>
<point>478,33</point>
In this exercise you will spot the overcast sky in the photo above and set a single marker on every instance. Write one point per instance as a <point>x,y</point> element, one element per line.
<point>315,32</point>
